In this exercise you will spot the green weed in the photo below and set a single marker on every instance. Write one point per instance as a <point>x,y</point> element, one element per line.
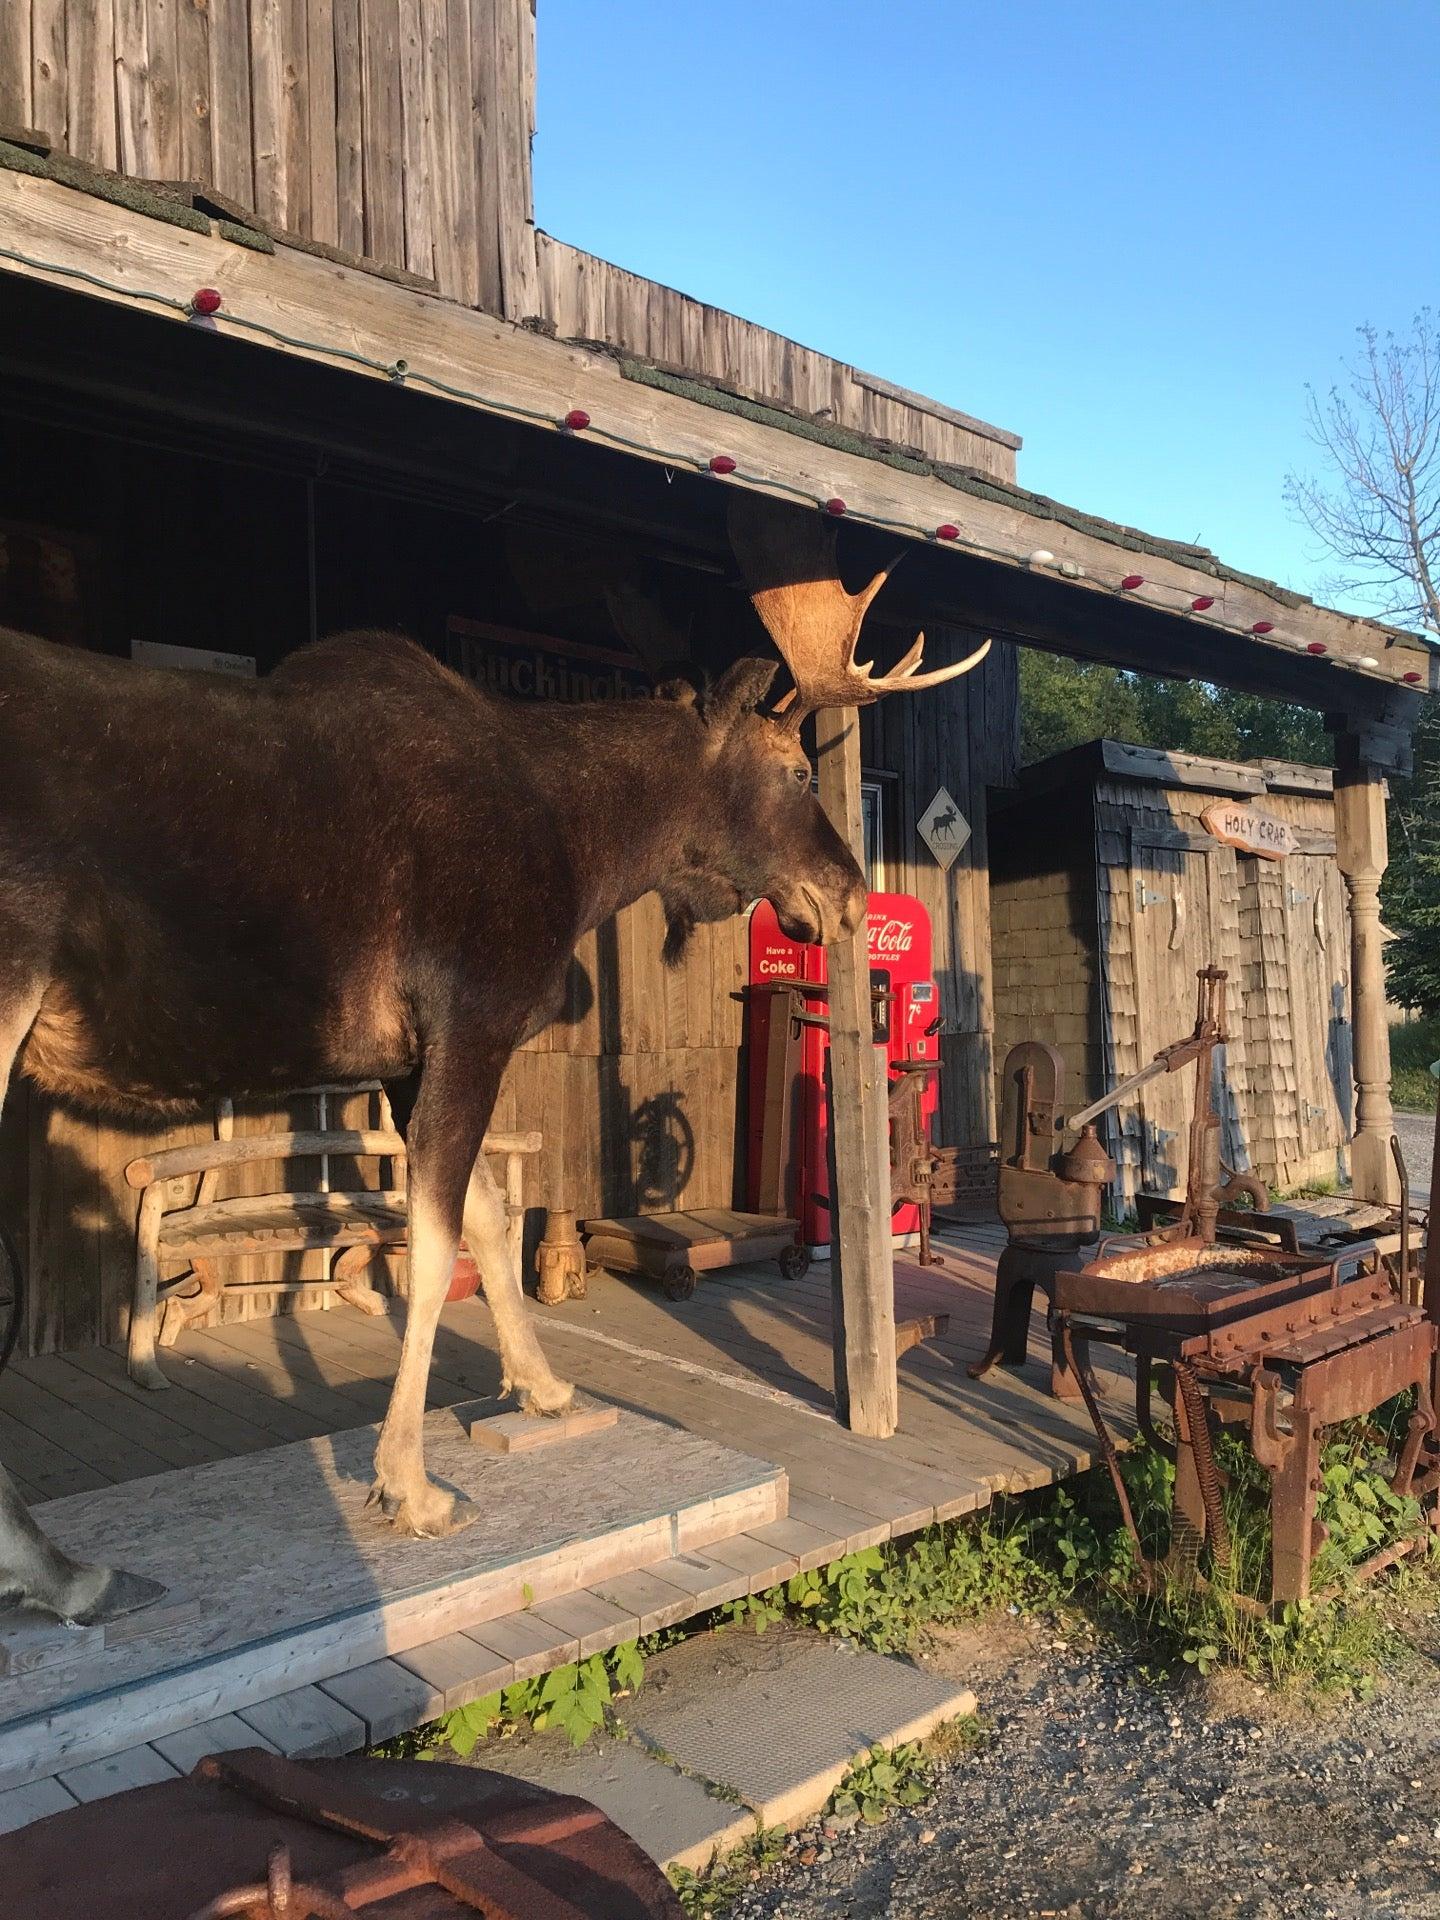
<point>576,1698</point>
<point>723,1881</point>
<point>886,1778</point>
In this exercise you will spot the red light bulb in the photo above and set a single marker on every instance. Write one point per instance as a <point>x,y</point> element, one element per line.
<point>947,532</point>
<point>721,463</point>
<point>206,300</point>
<point>836,506</point>
<point>1203,604</point>
<point>1410,679</point>
<point>577,419</point>
<point>1131,581</point>
<point>1315,646</point>
<point>1263,626</point>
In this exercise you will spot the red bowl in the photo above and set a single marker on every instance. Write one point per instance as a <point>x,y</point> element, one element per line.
<point>464,1278</point>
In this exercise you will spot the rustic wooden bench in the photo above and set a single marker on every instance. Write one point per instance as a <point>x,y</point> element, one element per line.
<point>181,1224</point>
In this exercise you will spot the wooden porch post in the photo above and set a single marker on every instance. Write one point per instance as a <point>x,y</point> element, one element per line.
<point>862,1272</point>
<point>1362,856</point>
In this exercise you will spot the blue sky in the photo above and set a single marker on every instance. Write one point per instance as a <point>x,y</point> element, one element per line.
<point>1129,232</point>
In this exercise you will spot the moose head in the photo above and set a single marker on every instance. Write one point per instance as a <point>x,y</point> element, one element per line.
<point>763,833</point>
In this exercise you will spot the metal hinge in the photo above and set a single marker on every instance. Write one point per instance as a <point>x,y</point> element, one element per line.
<point>1146,897</point>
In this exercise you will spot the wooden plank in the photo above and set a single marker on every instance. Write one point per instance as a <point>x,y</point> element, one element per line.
<point>532,1644</point>
<point>457,1669</point>
<point>850,1529</point>
<point>48,69</point>
<point>513,125</point>
<point>90,83</point>
<point>322,150</point>
<point>306,1724</point>
<point>388,1698</point>
<point>520,1433</point>
<point>135,1767</point>
<point>592,1621</point>
<point>185,1750</point>
<point>267,106</point>
<point>457,156</point>
<point>862,1276</point>
<point>383,143</point>
<point>349,127</point>
<point>162,88</point>
<point>418,140</point>
<point>799,1540</point>
<point>16,87</point>
<point>22,1806</point>
<point>231,136</point>
<point>656,1602</point>
<point>192,90</point>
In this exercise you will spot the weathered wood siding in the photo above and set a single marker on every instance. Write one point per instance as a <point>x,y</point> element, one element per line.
<point>1096,949</point>
<point>585,298</point>
<point>1044,940</point>
<point>396,129</point>
<point>400,131</point>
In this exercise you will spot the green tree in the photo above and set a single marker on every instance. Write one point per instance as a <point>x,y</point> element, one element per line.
<point>1064,702</point>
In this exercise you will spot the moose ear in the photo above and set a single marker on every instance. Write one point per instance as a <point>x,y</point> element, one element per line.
<point>739,690</point>
<point>678,690</point>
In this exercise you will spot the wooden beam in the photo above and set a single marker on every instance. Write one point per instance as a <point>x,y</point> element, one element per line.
<point>1362,854</point>
<point>862,1271</point>
<point>330,314</point>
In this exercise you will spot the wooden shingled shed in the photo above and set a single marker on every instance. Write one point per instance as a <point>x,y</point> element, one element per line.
<point>1116,872</point>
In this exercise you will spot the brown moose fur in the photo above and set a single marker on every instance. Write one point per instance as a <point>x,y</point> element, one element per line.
<point>363,867</point>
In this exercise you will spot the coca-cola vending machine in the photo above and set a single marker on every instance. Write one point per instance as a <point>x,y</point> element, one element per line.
<point>898,936</point>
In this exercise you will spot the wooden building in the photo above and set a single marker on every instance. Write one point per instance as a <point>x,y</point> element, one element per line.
<point>1111,884</point>
<point>412,406</point>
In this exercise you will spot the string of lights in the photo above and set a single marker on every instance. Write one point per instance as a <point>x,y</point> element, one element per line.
<point>206,306</point>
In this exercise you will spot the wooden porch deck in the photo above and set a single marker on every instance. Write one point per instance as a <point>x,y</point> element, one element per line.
<point>746,1362</point>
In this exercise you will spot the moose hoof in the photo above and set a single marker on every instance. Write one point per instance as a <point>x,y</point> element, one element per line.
<point>116,1594</point>
<point>428,1512</point>
<point>550,1397</point>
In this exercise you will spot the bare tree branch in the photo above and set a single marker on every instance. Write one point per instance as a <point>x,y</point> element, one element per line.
<point>1377,510</point>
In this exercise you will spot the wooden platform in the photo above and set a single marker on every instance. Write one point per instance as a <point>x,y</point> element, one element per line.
<point>746,1360</point>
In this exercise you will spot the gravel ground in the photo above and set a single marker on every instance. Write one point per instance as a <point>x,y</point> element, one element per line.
<point>1100,1794</point>
<point>1416,1132</point>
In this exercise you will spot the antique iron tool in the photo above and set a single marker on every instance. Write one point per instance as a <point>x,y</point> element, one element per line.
<point>1050,1194</point>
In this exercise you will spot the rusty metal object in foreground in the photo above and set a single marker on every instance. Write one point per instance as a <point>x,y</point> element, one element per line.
<point>251,1834</point>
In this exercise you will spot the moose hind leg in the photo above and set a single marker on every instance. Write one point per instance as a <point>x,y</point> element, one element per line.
<point>527,1371</point>
<point>32,1568</point>
<point>443,1138</point>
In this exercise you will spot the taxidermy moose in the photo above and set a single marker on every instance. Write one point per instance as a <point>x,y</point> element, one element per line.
<point>364,868</point>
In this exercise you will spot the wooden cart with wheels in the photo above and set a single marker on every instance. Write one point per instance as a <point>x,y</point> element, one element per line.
<point>676,1248</point>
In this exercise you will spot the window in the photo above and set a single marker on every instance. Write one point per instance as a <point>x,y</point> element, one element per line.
<point>872,829</point>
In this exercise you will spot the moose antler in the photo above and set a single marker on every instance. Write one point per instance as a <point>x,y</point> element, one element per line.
<point>787,558</point>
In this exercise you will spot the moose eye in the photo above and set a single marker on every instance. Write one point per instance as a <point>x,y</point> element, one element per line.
<point>801,776</point>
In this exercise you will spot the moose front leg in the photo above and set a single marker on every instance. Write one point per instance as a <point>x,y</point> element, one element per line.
<point>526,1370</point>
<point>442,1142</point>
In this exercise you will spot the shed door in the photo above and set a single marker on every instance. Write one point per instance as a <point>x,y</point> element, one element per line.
<point>1317,952</point>
<point>1177,909</point>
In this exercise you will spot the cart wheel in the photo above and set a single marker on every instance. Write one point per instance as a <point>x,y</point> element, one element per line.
<point>794,1263</point>
<point>679,1283</point>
